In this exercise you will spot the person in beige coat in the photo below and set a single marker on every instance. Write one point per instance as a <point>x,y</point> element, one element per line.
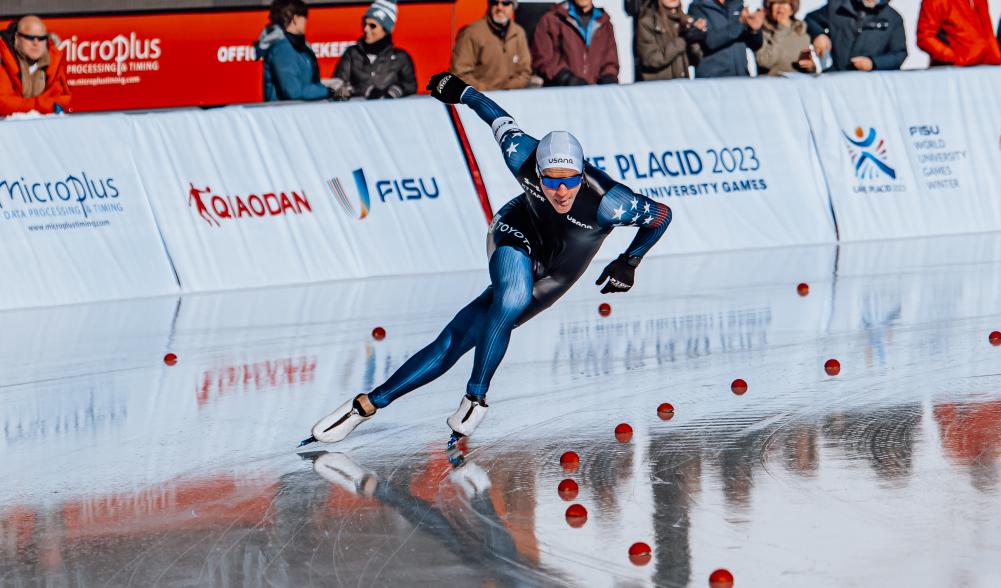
<point>666,41</point>
<point>786,46</point>
<point>492,53</point>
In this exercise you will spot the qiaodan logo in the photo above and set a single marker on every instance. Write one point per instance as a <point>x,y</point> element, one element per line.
<point>869,154</point>
<point>215,208</point>
<point>388,189</point>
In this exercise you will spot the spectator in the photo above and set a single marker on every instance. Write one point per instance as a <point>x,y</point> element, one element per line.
<point>858,35</point>
<point>290,68</point>
<point>786,46</point>
<point>574,45</point>
<point>33,76</point>
<point>732,30</point>
<point>492,53</point>
<point>667,41</point>
<point>958,32</point>
<point>373,68</point>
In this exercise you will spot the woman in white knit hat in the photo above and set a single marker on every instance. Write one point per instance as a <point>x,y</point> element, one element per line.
<point>373,68</point>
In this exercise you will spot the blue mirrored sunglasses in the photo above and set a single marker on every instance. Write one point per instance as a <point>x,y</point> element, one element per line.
<point>554,183</point>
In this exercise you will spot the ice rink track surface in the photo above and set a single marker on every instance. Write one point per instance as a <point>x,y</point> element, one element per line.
<point>118,470</point>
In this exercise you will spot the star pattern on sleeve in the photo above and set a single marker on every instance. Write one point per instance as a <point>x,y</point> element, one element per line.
<point>634,203</point>
<point>512,148</point>
<point>647,220</point>
<point>619,212</point>
<point>646,208</point>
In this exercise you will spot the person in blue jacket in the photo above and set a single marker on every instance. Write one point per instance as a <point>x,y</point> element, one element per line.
<point>290,68</point>
<point>730,31</point>
<point>539,244</point>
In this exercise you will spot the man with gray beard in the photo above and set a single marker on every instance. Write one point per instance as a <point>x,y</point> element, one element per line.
<point>492,53</point>
<point>859,35</point>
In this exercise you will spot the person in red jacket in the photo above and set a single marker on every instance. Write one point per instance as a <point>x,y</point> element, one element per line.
<point>574,45</point>
<point>32,70</point>
<point>958,32</point>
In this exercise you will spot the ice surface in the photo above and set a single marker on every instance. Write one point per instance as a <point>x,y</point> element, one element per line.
<point>118,470</point>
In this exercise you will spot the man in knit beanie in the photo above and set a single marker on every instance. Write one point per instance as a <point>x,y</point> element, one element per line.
<point>373,68</point>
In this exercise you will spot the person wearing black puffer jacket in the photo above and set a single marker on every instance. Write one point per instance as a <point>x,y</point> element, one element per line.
<point>373,68</point>
<point>858,35</point>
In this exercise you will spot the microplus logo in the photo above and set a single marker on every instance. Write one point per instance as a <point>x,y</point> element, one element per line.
<point>869,157</point>
<point>399,189</point>
<point>215,208</point>
<point>74,194</point>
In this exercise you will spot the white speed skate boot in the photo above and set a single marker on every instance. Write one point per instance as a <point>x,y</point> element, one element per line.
<point>341,470</point>
<point>467,417</point>
<point>338,424</point>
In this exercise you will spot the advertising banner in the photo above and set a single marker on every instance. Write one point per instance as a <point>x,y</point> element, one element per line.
<point>737,174</point>
<point>75,224</point>
<point>898,156</point>
<point>208,58</point>
<point>251,197</point>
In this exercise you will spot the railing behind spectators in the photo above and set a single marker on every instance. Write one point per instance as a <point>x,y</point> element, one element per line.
<point>117,206</point>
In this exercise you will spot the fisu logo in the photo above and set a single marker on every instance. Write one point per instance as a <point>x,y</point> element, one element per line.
<point>399,189</point>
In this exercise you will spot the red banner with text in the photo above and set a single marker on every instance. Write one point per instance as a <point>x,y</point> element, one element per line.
<point>208,58</point>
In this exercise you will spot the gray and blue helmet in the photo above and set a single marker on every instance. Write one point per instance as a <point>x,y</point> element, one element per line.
<point>560,149</point>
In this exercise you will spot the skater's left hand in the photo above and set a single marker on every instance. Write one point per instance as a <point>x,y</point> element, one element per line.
<point>619,274</point>
<point>446,87</point>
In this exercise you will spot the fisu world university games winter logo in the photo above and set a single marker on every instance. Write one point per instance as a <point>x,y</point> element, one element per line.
<point>869,154</point>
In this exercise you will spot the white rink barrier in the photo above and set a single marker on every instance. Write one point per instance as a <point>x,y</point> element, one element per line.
<point>250,197</point>
<point>909,153</point>
<point>75,224</point>
<point>112,206</point>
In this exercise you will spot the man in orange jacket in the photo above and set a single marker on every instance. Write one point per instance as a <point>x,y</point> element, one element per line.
<point>32,70</point>
<point>958,32</point>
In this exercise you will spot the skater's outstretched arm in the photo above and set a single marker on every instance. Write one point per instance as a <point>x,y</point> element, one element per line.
<point>620,207</point>
<point>515,145</point>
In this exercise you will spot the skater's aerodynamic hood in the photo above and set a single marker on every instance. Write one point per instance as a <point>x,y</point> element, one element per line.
<point>560,149</point>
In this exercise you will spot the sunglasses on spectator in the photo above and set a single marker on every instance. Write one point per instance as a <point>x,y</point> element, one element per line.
<point>554,183</point>
<point>370,25</point>
<point>501,2</point>
<point>38,38</point>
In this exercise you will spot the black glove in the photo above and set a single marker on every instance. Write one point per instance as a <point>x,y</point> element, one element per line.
<point>619,273</point>
<point>566,78</point>
<point>394,91</point>
<point>608,79</point>
<point>446,87</point>
<point>373,93</point>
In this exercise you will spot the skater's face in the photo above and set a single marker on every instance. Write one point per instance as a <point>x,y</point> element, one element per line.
<point>562,197</point>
